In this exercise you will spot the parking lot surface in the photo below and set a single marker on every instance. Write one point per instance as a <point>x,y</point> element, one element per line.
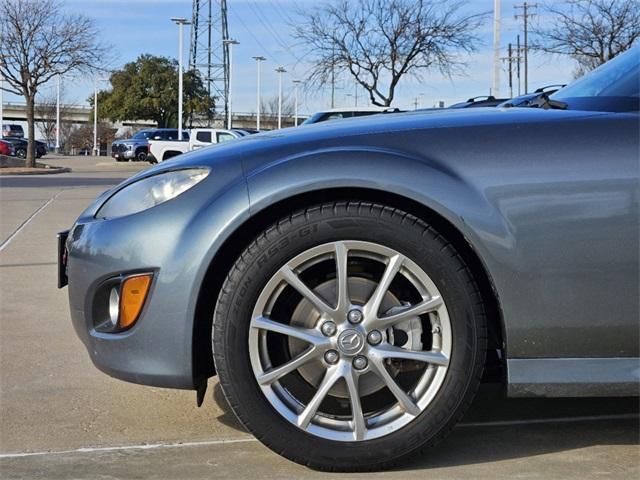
<point>62,418</point>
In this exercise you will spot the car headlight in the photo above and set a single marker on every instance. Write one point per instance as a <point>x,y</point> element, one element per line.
<point>150,191</point>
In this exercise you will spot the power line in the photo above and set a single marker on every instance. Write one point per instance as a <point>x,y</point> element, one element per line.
<point>261,45</point>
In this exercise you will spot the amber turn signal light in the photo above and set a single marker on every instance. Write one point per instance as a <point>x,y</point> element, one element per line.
<point>133,293</point>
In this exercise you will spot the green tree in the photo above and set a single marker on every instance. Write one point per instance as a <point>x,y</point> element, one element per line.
<point>147,89</point>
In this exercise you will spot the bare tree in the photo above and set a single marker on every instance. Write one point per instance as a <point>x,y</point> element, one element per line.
<point>380,41</point>
<point>269,107</point>
<point>590,31</point>
<point>82,137</point>
<point>39,41</point>
<point>46,110</point>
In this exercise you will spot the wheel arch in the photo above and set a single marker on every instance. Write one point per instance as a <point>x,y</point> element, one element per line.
<point>238,240</point>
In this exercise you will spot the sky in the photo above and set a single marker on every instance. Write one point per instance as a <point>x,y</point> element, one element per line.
<point>263,27</point>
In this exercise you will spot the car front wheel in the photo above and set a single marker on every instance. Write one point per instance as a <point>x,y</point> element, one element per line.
<point>349,336</point>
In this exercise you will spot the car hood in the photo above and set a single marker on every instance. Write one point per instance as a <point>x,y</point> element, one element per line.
<point>384,131</point>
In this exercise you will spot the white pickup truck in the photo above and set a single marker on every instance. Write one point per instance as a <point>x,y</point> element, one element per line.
<point>161,150</point>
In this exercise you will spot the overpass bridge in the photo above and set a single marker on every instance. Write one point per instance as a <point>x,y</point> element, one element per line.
<point>78,114</point>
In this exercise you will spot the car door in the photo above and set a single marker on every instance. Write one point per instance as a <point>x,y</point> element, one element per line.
<point>201,139</point>
<point>568,192</point>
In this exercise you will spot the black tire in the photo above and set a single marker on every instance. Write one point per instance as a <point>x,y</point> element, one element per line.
<point>21,153</point>
<point>349,221</point>
<point>141,156</point>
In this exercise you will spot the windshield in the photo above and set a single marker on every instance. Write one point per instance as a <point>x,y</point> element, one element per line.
<point>619,77</point>
<point>142,135</point>
<point>314,118</point>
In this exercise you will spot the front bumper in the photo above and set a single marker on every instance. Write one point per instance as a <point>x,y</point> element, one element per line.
<point>176,241</point>
<point>126,154</point>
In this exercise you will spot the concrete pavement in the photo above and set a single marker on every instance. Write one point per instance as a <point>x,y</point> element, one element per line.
<point>62,418</point>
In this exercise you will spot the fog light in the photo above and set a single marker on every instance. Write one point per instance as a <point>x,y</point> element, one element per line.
<point>114,306</point>
<point>133,293</point>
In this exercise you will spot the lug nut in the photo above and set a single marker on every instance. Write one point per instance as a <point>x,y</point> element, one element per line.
<point>328,329</point>
<point>354,316</point>
<point>360,362</point>
<point>374,337</point>
<point>331,357</point>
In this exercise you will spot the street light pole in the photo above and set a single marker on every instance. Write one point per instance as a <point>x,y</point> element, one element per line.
<point>96,152</point>
<point>280,71</point>
<point>181,22</point>
<point>231,42</point>
<point>296,83</point>
<point>58,114</point>
<point>258,59</point>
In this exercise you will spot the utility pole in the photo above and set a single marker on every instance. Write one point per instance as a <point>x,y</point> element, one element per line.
<point>525,17</point>
<point>296,83</point>
<point>280,71</point>
<point>58,114</point>
<point>510,71</point>
<point>496,48</point>
<point>510,59</point>
<point>181,22</point>
<point>258,59</point>
<point>230,43</point>
<point>519,52</point>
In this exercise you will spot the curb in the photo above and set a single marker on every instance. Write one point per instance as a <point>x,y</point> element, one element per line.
<point>36,171</point>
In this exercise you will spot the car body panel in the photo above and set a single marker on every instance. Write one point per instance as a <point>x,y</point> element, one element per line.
<point>539,210</point>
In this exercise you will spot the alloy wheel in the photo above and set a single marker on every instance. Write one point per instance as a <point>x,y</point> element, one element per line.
<point>350,341</point>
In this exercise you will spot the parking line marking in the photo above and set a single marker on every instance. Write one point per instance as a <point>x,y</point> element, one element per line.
<point>152,446</point>
<point>23,225</point>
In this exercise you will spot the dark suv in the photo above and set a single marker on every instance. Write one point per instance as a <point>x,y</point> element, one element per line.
<point>137,147</point>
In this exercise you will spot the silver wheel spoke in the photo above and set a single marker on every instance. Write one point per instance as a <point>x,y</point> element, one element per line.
<point>393,267</point>
<point>405,401</point>
<point>330,377</point>
<point>292,279</point>
<point>428,356</point>
<point>410,311</point>
<point>279,372</point>
<point>342,287</point>
<point>358,423</point>
<point>304,334</point>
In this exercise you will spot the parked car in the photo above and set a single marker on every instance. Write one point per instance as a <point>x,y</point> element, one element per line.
<point>481,101</point>
<point>20,146</point>
<point>356,277</point>
<point>530,99</point>
<point>137,147</point>
<point>12,130</point>
<point>349,112</point>
<point>245,131</point>
<point>6,148</point>
<point>161,150</point>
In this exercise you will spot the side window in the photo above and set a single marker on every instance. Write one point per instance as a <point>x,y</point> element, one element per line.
<point>185,135</point>
<point>335,116</point>
<point>157,135</point>
<point>203,137</point>
<point>224,137</point>
<point>170,135</point>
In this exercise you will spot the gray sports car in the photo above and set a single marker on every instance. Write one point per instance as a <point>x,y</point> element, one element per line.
<point>350,282</point>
